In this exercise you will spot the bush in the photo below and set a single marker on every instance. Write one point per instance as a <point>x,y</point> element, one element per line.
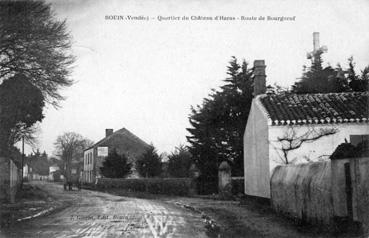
<point>179,162</point>
<point>347,150</point>
<point>238,185</point>
<point>115,166</point>
<point>343,151</point>
<point>149,163</point>
<point>169,186</point>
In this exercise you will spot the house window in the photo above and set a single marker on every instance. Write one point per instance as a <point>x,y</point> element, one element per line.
<point>357,139</point>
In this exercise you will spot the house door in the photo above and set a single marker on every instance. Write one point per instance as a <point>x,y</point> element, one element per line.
<point>348,191</point>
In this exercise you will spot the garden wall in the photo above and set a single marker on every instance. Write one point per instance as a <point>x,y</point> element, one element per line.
<point>303,191</point>
<point>170,186</point>
<point>9,179</point>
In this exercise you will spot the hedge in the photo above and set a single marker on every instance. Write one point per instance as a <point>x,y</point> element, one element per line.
<point>170,186</point>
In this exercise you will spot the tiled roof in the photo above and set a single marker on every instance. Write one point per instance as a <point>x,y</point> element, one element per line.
<point>319,108</point>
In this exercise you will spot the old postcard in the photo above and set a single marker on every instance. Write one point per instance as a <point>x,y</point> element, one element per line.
<point>184,118</point>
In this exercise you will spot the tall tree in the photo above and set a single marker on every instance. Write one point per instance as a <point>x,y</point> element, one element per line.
<point>218,124</point>
<point>69,147</point>
<point>115,166</point>
<point>316,79</point>
<point>179,162</point>
<point>34,43</point>
<point>35,50</point>
<point>21,105</point>
<point>358,83</point>
<point>149,163</point>
<point>39,162</point>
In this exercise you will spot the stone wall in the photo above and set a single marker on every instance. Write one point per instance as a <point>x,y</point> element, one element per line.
<point>303,192</point>
<point>4,178</point>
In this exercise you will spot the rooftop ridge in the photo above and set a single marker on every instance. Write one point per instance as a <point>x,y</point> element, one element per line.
<point>127,133</point>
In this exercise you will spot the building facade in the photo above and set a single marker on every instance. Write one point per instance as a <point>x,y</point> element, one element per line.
<point>123,141</point>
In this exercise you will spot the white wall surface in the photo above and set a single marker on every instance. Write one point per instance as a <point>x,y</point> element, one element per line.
<point>256,158</point>
<point>319,149</point>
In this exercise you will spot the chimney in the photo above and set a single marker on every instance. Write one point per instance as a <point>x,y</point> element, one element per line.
<point>108,132</point>
<point>259,77</point>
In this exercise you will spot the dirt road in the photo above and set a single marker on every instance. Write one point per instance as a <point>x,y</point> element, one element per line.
<point>96,214</point>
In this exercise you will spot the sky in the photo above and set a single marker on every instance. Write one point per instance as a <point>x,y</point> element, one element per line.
<point>145,75</point>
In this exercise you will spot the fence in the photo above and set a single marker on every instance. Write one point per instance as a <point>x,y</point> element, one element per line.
<point>303,191</point>
<point>324,192</point>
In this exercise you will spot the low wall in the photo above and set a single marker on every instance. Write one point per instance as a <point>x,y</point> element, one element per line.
<point>360,184</point>
<point>170,186</point>
<point>303,191</point>
<point>9,180</point>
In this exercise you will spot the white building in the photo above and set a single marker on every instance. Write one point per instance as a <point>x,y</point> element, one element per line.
<point>52,169</point>
<point>297,128</point>
<point>27,171</point>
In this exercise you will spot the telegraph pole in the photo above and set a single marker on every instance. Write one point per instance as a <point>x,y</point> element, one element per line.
<point>21,185</point>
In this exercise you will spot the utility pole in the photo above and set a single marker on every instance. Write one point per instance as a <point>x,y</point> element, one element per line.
<point>21,185</point>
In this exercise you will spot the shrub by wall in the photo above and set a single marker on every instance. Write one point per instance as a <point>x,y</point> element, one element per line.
<point>303,191</point>
<point>170,186</point>
<point>238,185</point>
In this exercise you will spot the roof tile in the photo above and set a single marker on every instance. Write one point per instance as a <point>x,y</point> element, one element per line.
<point>317,108</point>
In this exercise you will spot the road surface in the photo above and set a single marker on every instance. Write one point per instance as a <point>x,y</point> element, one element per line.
<point>96,214</point>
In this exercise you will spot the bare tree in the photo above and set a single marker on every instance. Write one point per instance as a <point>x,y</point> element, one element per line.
<point>69,147</point>
<point>29,134</point>
<point>291,140</point>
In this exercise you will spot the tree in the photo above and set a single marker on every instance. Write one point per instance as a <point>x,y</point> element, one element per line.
<point>69,147</point>
<point>317,79</point>
<point>217,125</point>
<point>149,163</point>
<point>29,134</point>
<point>21,105</point>
<point>56,161</point>
<point>292,140</point>
<point>35,61</point>
<point>115,166</point>
<point>358,83</point>
<point>39,162</point>
<point>35,44</point>
<point>179,163</point>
